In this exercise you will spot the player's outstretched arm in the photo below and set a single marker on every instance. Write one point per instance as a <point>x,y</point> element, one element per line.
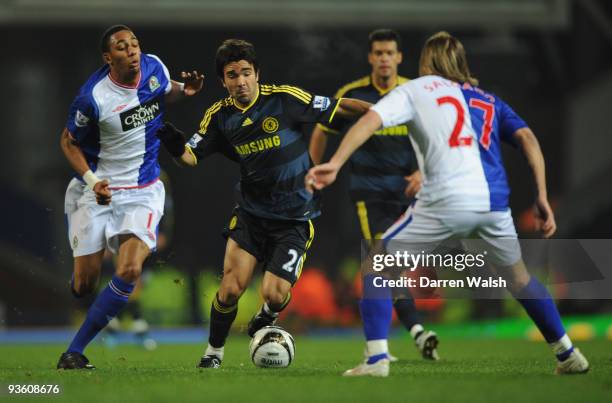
<point>173,140</point>
<point>325,174</point>
<point>351,108</point>
<point>77,161</point>
<point>318,143</point>
<point>528,142</point>
<point>193,83</point>
<point>356,136</point>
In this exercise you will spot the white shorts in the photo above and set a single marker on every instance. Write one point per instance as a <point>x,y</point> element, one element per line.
<point>92,227</point>
<point>422,229</point>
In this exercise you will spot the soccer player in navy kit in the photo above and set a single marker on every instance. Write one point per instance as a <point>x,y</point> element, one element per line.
<point>384,175</point>
<point>259,126</point>
<point>116,200</point>
<point>458,127</point>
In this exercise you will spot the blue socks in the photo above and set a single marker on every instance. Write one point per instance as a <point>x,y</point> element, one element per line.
<point>376,315</point>
<point>376,312</point>
<point>106,306</point>
<point>538,303</point>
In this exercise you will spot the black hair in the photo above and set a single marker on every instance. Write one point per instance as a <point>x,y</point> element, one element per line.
<point>384,34</point>
<point>233,50</point>
<point>104,40</point>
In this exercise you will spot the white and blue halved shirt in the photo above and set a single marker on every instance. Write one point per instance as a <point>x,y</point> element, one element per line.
<point>457,130</point>
<point>115,125</point>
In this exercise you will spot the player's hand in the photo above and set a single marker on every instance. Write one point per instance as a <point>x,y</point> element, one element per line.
<point>545,218</point>
<point>172,138</point>
<point>194,82</point>
<point>103,193</point>
<point>415,181</point>
<point>321,176</point>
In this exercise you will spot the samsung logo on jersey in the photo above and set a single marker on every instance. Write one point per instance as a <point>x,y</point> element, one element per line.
<point>258,145</point>
<point>140,115</point>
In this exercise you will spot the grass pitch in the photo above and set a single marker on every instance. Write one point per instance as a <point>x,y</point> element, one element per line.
<point>470,371</point>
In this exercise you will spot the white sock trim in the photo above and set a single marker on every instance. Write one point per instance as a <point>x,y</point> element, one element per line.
<point>377,347</point>
<point>416,329</point>
<point>210,350</point>
<point>562,345</point>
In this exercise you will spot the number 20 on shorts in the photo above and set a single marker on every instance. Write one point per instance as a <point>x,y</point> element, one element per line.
<point>294,261</point>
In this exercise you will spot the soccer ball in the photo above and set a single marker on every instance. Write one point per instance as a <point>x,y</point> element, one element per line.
<point>272,347</point>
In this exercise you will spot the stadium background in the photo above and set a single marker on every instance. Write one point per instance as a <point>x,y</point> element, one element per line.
<point>551,60</point>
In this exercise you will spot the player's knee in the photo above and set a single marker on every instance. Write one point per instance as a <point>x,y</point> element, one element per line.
<point>129,272</point>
